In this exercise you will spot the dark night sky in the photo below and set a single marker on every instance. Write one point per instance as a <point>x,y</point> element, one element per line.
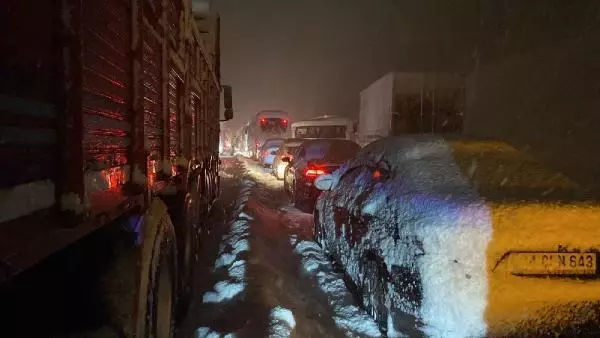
<point>313,57</point>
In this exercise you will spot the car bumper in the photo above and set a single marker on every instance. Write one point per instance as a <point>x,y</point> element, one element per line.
<point>308,192</point>
<point>517,304</point>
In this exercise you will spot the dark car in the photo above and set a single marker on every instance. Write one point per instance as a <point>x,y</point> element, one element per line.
<point>314,158</point>
<point>462,237</point>
<point>287,150</point>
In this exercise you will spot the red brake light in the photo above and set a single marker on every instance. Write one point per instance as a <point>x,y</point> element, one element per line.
<point>284,121</point>
<point>376,174</point>
<point>314,172</point>
<point>263,121</point>
<point>266,153</point>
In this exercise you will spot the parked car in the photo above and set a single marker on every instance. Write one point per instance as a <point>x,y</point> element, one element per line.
<point>314,158</point>
<point>287,150</point>
<point>462,238</point>
<point>267,151</point>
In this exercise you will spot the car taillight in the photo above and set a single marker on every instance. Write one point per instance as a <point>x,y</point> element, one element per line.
<point>314,172</point>
<point>266,153</point>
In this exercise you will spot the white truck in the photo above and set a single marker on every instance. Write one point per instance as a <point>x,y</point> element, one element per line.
<point>406,103</point>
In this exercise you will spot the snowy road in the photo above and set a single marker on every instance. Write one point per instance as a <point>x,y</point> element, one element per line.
<point>261,275</point>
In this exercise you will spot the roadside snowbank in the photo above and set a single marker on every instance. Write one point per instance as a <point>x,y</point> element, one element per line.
<point>281,323</point>
<point>205,332</point>
<point>233,246</point>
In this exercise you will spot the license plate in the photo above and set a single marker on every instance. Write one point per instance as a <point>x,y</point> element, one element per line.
<point>552,263</point>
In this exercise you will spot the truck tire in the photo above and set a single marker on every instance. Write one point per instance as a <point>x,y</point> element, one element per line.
<point>188,231</point>
<point>157,288</point>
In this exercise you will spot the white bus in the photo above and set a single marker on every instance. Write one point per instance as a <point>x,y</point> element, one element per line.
<point>267,124</point>
<point>327,126</point>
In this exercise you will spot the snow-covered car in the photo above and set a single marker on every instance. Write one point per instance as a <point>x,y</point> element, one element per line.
<point>314,158</point>
<point>459,237</point>
<point>268,150</point>
<point>287,150</point>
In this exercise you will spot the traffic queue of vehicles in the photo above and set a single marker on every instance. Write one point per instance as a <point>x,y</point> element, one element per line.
<point>405,217</point>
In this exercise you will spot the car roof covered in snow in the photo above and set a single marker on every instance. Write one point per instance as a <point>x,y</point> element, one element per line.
<point>311,141</point>
<point>494,168</point>
<point>293,141</point>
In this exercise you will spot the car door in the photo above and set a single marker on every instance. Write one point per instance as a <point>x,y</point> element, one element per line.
<point>358,182</point>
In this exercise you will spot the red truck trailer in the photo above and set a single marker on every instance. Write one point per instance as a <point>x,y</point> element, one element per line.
<point>109,116</point>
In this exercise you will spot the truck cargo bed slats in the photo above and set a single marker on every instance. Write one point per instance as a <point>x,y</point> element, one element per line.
<point>152,87</point>
<point>173,113</point>
<point>173,16</point>
<point>106,81</point>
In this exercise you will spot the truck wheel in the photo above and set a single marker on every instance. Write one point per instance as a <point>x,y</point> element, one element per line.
<point>157,291</point>
<point>188,249</point>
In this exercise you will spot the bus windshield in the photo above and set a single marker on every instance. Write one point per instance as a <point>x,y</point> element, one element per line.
<point>321,132</point>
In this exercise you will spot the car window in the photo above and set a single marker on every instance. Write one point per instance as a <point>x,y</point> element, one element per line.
<point>272,143</point>
<point>342,151</point>
<point>332,150</point>
<point>316,150</point>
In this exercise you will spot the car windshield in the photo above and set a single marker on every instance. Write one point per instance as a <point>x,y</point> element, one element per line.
<point>335,151</point>
<point>321,132</point>
<point>272,143</point>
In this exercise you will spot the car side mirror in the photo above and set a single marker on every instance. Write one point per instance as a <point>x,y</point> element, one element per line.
<point>324,182</point>
<point>286,159</point>
<point>228,102</point>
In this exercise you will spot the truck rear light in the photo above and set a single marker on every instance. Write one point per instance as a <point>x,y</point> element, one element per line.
<point>312,173</point>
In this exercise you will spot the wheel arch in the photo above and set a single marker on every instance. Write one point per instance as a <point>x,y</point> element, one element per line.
<point>152,234</point>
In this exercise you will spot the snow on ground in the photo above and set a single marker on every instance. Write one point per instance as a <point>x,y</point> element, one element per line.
<point>263,280</point>
<point>282,322</point>
<point>347,315</point>
<point>263,175</point>
<point>232,246</point>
